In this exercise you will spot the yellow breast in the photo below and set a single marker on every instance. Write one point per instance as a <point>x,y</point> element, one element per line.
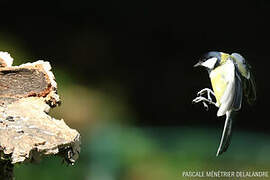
<point>219,82</point>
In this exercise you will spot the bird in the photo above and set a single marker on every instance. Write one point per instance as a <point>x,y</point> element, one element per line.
<point>232,81</point>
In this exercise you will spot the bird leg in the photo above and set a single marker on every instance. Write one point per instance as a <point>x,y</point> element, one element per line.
<point>209,92</point>
<point>203,99</point>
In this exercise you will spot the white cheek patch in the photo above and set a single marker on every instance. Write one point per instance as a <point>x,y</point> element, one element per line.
<point>210,63</point>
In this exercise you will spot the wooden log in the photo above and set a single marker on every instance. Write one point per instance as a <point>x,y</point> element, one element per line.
<point>27,132</point>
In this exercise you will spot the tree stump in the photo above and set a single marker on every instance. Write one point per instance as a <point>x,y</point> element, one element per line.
<point>27,132</point>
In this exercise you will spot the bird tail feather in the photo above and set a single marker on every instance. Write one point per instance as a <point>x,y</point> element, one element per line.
<point>226,134</point>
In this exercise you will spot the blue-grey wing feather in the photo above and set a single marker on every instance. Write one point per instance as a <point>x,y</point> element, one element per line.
<point>238,91</point>
<point>248,82</point>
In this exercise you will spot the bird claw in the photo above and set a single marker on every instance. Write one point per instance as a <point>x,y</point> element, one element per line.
<point>208,91</point>
<point>203,99</point>
<point>205,105</point>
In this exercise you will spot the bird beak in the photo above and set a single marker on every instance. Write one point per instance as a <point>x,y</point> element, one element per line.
<point>198,64</point>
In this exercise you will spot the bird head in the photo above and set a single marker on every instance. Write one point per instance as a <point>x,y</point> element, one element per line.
<point>209,60</point>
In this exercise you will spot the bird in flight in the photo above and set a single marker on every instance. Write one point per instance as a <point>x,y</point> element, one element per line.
<point>231,79</point>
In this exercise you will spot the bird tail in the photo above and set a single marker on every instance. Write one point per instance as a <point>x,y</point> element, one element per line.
<point>226,134</point>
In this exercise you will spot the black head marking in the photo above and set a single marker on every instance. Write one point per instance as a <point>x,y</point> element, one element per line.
<point>211,54</point>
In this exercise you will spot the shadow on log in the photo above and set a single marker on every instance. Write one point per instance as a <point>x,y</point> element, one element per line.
<point>27,132</point>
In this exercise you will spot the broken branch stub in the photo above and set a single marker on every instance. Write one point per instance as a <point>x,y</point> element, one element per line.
<point>27,132</point>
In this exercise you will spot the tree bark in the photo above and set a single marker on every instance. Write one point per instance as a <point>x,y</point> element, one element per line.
<point>27,132</point>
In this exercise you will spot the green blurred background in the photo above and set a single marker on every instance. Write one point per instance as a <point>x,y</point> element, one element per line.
<point>125,77</point>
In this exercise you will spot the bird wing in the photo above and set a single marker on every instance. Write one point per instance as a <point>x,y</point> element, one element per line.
<point>242,65</point>
<point>232,96</point>
<point>249,86</point>
<point>231,100</point>
<point>238,91</point>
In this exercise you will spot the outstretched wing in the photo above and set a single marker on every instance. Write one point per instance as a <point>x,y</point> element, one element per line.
<point>244,68</point>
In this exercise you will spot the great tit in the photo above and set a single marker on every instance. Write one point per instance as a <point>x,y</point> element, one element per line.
<point>231,78</point>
